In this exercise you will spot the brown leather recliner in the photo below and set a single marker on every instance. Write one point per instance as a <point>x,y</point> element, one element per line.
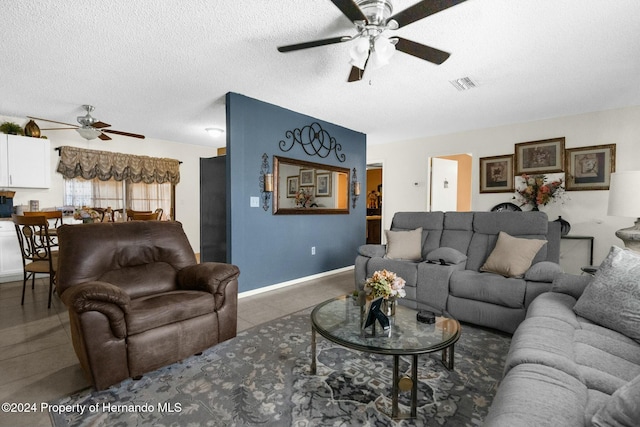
<point>138,300</point>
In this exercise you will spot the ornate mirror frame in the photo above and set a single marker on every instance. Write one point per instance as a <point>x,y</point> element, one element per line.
<point>329,185</point>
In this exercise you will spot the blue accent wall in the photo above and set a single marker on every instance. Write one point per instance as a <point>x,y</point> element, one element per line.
<point>271,249</point>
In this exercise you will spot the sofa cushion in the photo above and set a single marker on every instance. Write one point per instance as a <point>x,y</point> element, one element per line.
<point>622,409</point>
<point>612,299</point>
<point>537,395</point>
<point>404,245</point>
<point>448,255</point>
<point>491,288</point>
<point>153,311</point>
<point>512,256</point>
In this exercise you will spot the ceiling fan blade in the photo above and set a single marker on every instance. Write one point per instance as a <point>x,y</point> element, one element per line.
<point>350,10</point>
<point>58,128</point>
<point>355,74</point>
<point>314,43</point>
<point>421,10</point>
<point>421,51</point>
<point>117,132</point>
<point>100,125</point>
<point>104,137</point>
<point>53,121</point>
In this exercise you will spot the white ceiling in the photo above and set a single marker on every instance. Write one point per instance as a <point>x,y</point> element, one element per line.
<point>162,67</point>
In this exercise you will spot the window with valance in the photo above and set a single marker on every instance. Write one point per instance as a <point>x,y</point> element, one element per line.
<point>106,165</point>
<point>104,179</point>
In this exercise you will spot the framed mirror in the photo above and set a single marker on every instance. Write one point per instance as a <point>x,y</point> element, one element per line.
<point>302,187</point>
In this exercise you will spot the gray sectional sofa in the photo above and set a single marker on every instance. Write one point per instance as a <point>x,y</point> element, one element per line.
<point>565,369</point>
<point>454,246</point>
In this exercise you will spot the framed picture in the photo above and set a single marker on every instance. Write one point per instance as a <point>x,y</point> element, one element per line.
<point>292,185</point>
<point>306,177</point>
<point>323,185</point>
<point>496,174</point>
<point>538,157</point>
<point>589,168</point>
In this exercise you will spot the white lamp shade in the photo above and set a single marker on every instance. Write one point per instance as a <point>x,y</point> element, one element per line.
<point>624,199</point>
<point>359,53</point>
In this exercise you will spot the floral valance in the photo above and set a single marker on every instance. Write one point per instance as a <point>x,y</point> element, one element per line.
<point>105,165</point>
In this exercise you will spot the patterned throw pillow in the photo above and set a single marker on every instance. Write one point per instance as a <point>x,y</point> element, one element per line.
<point>612,299</point>
<point>622,409</point>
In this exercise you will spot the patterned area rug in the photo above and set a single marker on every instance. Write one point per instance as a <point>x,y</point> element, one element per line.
<point>261,378</point>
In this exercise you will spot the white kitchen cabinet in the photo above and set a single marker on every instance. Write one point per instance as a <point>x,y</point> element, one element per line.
<point>10,257</point>
<point>24,162</point>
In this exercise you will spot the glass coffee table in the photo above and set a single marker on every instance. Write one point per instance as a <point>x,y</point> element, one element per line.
<point>340,320</point>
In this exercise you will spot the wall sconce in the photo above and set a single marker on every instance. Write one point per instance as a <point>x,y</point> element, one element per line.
<point>355,188</point>
<point>266,182</point>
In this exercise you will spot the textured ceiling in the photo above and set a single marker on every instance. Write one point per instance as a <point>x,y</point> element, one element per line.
<point>162,67</point>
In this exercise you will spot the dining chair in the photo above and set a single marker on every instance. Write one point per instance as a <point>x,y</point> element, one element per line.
<point>35,245</point>
<point>55,220</point>
<point>144,216</point>
<point>131,213</point>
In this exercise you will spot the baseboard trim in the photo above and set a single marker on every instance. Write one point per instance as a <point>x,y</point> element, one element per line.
<point>293,282</point>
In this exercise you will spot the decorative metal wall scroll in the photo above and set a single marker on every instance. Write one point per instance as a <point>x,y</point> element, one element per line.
<point>314,140</point>
<point>266,182</point>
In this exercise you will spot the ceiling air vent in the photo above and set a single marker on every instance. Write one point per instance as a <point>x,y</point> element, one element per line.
<point>464,83</point>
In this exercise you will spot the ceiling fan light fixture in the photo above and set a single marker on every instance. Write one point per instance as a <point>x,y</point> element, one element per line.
<point>88,133</point>
<point>359,53</point>
<point>383,50</point>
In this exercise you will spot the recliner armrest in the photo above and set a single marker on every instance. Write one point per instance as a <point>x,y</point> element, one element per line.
<point>372,251</point>
<point>102,297</point>
<point>209,277</point>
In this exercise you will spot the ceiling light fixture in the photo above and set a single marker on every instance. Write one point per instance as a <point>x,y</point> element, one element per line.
<point>215,132</point>
<point>88,132</point>
<point>372,49</point>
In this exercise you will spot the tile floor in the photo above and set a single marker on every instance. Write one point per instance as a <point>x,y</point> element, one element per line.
<point>37,361</point>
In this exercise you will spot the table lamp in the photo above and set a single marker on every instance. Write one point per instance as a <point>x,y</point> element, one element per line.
<point>624,200</point>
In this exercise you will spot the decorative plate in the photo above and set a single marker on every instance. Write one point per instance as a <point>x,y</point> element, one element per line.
<point>505,207</point>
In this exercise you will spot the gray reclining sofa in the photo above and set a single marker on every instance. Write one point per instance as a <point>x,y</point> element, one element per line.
<point>454,247</point>
<point>564,369</point>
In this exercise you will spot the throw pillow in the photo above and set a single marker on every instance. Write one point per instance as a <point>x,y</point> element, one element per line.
<point>448,255</point>
<point>544,271</point>
<point>404,245</point>
<point>622,409</point>
<point>612,299</point>
<point>512,256</point>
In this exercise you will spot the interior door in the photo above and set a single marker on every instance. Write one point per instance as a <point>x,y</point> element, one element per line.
<point>444,185</point>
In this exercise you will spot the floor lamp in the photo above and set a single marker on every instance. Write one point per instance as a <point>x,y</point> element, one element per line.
<point>624,200</point>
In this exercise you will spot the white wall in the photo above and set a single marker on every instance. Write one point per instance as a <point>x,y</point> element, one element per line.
<point>406,163</point>
<point>187,191</point>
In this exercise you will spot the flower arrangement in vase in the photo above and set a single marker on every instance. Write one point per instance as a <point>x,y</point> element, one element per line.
<point>538,192</point>
<point>386,285</point>
<point>86,215</point>
<point>304,198</point>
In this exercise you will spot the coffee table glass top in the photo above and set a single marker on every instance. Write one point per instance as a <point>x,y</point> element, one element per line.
<point>340,320</point>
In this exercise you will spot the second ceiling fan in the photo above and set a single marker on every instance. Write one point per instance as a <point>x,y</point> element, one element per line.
<point>90,127</point>
<point>372,19</point>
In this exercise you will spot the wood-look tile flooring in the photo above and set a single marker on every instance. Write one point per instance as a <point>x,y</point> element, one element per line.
<point>37,361</point>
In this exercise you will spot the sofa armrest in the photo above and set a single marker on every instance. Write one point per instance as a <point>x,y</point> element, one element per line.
<point>102,297</point>
<point>211,277</point>
<point>372,251</point>
<point>570,284</point>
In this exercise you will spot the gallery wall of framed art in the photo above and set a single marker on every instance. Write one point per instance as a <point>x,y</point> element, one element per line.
<point>585,168</point>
